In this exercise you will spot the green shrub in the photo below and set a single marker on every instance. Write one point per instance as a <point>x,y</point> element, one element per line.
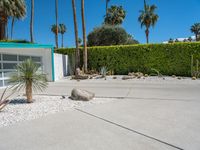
<point>168,59</point>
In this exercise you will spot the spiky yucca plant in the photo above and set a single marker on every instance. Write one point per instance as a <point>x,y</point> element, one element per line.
<point>29,77</point>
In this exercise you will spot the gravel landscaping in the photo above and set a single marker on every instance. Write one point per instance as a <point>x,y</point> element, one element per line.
<point>18,110</point>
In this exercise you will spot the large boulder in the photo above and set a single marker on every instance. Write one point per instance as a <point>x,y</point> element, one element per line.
<point>79,94</point>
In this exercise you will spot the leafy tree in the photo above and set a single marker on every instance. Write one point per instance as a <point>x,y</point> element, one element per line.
<point>29,77</point>
<point>196,30</point>
<point>10,8</point>
<point>109,35</point>
<point>115,15</point>
<point>54,29</point>
<point>177,40</point>
<point>190,39</point>
<point>84,35</point>
<point>148,18</point>
<point>171,40</point>
<point>62,30</point>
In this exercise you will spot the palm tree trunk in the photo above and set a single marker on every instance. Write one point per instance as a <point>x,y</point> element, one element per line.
<point>32,21</point>
<point>77,53</point>
<point>106,7</point>
<point>147,35</point>
<point>56,1</point>
<point>3,22</point>
<point>12,27</point>
<point>29,91</point>
<point>7,31</point>
<point>196,36</point>
<point>84,35</point>
<point>62,41</point>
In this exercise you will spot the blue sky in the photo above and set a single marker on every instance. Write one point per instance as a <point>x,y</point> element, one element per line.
<point>176,17</point>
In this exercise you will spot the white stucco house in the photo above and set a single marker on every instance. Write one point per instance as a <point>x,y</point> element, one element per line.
<point>11,54</point>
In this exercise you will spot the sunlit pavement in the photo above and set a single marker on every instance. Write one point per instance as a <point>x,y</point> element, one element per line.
<point>145,115</point>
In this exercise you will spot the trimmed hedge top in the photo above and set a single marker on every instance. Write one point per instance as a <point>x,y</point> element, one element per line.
<point>168,59</point>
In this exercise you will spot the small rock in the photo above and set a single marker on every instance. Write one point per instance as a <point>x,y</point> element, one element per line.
<point>131,74</point>
<point>179,78</point>
<point>194,78</point>
<point>79,94</point>
<point>173,76</point>
<point>146,75</point>
<point>127,77</point>
<point>139,74</point>
<point>114,77</point>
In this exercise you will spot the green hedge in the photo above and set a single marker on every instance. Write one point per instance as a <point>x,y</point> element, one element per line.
<point>168,59</point>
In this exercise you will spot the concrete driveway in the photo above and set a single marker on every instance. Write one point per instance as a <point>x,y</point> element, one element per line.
<point>146,115</point>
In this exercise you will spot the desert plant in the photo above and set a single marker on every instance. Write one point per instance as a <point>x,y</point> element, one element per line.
<point>103,71</point>
<point>63,29</point>
<point>196,30</point>
<point>148,18</point>
<point>4,99</point>
<point>115,15</point>
<point>155,72</point>
<point>10,8</point>
<point>29,77</point>
<point>192,62</point>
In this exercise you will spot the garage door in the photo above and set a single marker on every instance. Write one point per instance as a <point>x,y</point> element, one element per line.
<point>8,63</point>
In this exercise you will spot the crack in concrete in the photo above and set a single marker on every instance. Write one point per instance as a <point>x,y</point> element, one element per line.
<point>129,129</point>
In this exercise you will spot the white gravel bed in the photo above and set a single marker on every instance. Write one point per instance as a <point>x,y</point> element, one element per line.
<point>18,110</point>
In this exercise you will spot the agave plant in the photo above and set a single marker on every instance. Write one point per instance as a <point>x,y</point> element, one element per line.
<point>155,72</point>
<point>29,77</point>
<point>4,99</point>
<point>103,71</point>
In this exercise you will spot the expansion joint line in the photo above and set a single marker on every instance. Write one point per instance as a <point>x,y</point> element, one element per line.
<point>131,130</point>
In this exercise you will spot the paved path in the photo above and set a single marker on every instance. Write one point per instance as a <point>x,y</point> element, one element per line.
<point>145,116</point>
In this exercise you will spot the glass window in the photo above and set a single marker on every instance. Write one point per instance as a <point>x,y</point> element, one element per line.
<point>0,74</point>
<point>8,73</point>
<point>23,58</point>
<point>8,57</point>
<point>9,65</point>
<point>0,56</point>
<point>6,83</point>
<point>36,59</point>
<point>1,83</point>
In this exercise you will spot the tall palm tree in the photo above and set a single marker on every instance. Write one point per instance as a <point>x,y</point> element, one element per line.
<point>84,35</point>
<point>56,12</point>
<point>148,18</point>
<point>63,29</point>
<point>29,77</point>
<point>115,15</point>
<point>54,29</point>
<point>196,30</point>
<point>12,26</point>
<point>32,21</point>
<point>77,53</point>
<point>107,1</point>
<point>10,8</point>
